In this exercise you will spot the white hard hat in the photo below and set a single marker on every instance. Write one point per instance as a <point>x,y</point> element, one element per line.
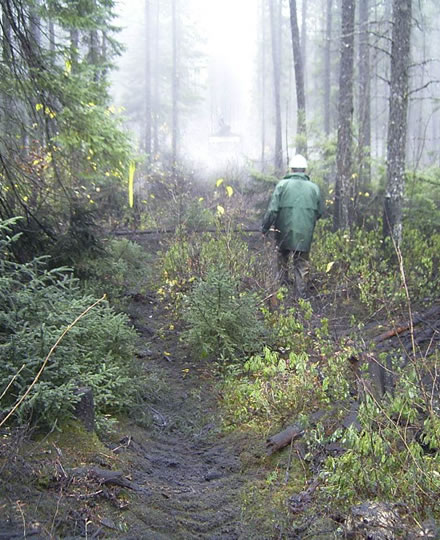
<point>298,162</point>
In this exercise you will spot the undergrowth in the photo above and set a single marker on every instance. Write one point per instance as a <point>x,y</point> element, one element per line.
<point>295,365</point>
<point>36,306</point>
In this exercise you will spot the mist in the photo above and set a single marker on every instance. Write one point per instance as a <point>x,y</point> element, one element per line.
<point>218,110</point>
<point>219,84</point>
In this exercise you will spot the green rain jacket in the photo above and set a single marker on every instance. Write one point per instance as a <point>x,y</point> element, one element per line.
<point>293,210</point>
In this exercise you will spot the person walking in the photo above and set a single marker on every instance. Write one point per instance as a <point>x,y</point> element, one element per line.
<point>293,210</point>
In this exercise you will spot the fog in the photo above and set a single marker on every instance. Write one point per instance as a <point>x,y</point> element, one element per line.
<point>228,109</point>
<point>220,72</point>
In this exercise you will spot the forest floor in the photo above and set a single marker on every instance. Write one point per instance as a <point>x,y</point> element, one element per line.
<point>179,475</point>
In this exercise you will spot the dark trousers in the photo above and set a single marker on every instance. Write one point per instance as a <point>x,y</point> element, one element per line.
<point>300,262</point>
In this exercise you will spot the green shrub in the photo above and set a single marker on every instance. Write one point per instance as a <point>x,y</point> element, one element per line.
<point>395,453</point>
<point>269,388</point>
<point>189,257</point>
<point>36,306</point>
<point>123,267</point>
<point>359,267</point>
<point>223,322</point>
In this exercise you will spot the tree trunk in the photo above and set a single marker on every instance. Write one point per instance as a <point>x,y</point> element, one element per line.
<point>175,85</point>
<point>155,95</point>
<point>397,126</point>
<point>344,159</point>
<point>301,142</point>
<point>304,38</point>
<point>327,67</point>
<point>276,61</point>
<point>74,48</point>
<point>34,26</point>
<point>364,154</point>
<point>148,27</point>
<point>52,39</point>
<point>94,46</point>
<point>263,85</point>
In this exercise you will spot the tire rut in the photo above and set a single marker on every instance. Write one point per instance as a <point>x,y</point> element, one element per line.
<point>190,474</point>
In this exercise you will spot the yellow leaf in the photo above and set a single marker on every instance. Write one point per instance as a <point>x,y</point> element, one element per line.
<point>167,353</point>
<point>220,210</point>
<point>39,106</point>
<point>201,199</point>
<point>329,266</point>
<point>229,191</point>
<point>219,182</point>
<point>67,67</point>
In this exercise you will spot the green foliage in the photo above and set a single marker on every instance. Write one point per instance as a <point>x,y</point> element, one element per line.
<point>223,322</point>
<point>64,153</point>
<point>357,265</point>
<point>423,203</point>
<point>36,306</point>
<point>289,325</point>
<point>293,376</point>
<point>122,267</point>
<point>267,389</point>
<point>394,456</point>
<point>189,257</point>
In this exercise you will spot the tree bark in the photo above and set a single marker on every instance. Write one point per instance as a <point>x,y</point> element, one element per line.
<point>291,433</point>
<point>276,61</point>
<point>175,85</point>
<point>301,142</point>
<point>263,85</point>
<point>344,160</point>
<point>148,27</point>
<point>364,119</point>
<point>155,91</point>
<point>397,126</point>
<point>94,47</point>
<point>52,39</point>
<point>327,67</point>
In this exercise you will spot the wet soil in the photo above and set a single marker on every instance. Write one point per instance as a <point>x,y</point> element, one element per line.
<point>191,474</point>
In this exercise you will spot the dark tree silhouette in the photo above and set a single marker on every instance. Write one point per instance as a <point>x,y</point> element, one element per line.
<point>397,126</point>
<point>344,159</point>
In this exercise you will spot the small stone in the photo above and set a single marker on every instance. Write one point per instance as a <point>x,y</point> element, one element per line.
<point>213,475</point>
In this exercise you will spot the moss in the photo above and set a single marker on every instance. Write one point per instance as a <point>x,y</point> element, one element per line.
<point>264,502</point>
<point>76,444</point>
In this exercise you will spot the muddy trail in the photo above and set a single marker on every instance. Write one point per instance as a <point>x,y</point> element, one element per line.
<point>190,475</point>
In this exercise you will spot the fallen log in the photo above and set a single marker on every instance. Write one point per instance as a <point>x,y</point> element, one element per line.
<point>173,231</point>
<point>104,477</point>
<point>291,433</point>
<point>99,475</point>
<point>404,327</point>
<point>282,439</point>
